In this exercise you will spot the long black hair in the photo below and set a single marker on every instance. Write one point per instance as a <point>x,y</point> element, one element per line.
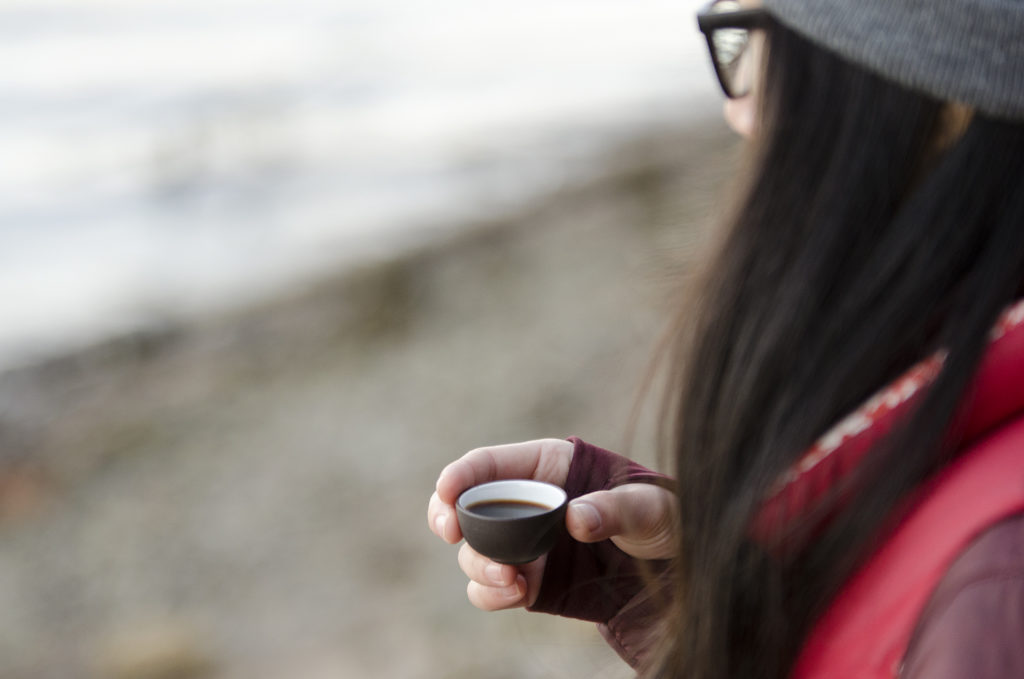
<point>858,248</point>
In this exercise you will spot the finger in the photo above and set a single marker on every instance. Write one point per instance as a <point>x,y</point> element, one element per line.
<point>497,598</point>
<point>534,574</point>
<point>442,520</point>
<point>482,570</point>
<point>542,460</point>
<point>638,517</point>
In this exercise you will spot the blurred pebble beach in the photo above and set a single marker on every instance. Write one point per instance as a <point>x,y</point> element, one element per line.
<point>245,496</point>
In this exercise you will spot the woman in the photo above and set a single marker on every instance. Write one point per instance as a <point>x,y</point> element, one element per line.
<point>847,412</point>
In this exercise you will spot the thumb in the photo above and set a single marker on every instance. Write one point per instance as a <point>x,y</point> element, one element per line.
<point>638,517</point>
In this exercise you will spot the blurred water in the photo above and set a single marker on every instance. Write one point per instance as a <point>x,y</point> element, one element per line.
<point>164,156</point>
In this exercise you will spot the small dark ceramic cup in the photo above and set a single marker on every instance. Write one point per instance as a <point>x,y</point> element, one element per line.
<point>515,539</point>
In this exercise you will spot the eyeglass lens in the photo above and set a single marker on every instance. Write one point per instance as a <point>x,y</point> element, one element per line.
<point>731,54</point>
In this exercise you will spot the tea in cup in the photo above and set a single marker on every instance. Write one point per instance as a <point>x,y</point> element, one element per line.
<point>513,521</point>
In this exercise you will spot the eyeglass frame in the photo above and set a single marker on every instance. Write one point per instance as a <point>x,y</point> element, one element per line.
<point>708,22</point>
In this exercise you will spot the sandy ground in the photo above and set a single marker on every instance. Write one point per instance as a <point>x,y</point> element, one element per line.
<point>245,496</point>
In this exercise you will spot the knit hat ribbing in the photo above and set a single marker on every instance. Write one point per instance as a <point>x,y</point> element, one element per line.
<point>970,51</point>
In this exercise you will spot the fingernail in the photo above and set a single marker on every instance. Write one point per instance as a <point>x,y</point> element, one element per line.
<point>496,574</point>
<point>517,591</point>
<point>439,524</point>
<point>587,515</point>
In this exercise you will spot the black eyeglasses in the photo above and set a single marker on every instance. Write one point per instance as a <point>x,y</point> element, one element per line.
<point>727,25</point>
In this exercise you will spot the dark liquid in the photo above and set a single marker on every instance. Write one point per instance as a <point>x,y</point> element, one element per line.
<point>507,509</point>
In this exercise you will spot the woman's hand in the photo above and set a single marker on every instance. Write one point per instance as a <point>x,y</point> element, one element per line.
<point>637,517</point>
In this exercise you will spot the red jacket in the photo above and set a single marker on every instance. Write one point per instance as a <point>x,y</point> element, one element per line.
<point>867,629</point>
<point>870,625</point>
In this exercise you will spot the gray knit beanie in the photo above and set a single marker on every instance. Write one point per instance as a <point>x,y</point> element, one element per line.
<point>970,51</point>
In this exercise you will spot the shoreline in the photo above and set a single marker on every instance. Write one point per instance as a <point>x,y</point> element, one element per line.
<point>372,299</point>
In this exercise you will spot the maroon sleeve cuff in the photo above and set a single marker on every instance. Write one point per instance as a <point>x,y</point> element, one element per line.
<point>636,631</point>
<point>594,581</point>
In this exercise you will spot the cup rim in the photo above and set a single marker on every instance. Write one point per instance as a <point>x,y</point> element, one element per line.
<point>529,490</point>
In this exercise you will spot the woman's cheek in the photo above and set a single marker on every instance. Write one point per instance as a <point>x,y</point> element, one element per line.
<point>740,115</point>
